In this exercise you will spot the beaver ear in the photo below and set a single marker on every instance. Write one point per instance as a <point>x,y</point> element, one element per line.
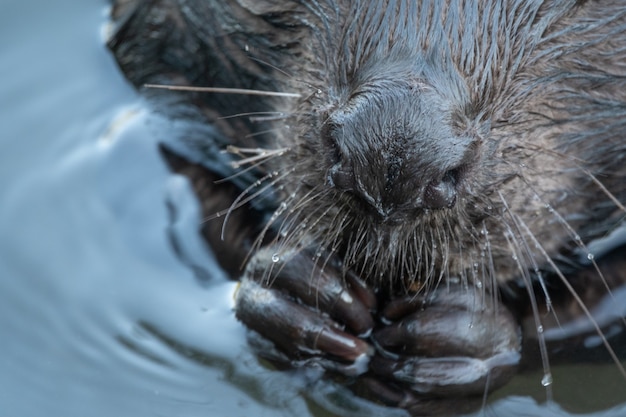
<point>265,7</point>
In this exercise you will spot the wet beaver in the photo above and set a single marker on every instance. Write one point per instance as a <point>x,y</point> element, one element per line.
<point>399,184</point>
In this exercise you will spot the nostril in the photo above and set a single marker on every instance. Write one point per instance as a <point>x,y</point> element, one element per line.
<point>341,178</point>
<point>442,193</point>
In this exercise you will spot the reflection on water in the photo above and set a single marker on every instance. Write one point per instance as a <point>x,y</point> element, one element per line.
<point>98,316</point>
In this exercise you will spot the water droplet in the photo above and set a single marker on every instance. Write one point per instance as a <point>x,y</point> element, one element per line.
<point>514,257</point>
<point>479,284</point>
<point>546,381</point>
<point>540,329</point>
<point>590,256</point>
<point>275,258</point>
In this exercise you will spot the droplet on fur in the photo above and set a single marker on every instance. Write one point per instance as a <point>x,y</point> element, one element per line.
<point>546,381</point>
<point>479,284</point>
<point>540,329</point>
<point>275,258</point>
<point>590,256</point>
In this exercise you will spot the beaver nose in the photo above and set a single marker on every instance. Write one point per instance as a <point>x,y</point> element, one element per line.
<point>396,197</point>
<point>441,193</point>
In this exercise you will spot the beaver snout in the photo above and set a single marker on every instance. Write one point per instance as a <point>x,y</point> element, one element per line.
<point>397,156</point>
<point>397,194</point>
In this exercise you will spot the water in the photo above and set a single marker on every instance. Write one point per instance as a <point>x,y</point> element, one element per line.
<point>98,315</point>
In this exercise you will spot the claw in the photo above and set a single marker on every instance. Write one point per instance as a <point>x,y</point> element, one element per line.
<point>321,287</point>
<point>456,345</point>
<point>296,330</point>
<point>448,376</point>
<point>454,322</point>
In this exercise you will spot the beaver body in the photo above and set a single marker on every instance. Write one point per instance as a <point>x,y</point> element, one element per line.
<point>406,148</point>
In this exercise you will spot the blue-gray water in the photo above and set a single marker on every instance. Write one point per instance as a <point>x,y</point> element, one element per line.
<point>98,315</point>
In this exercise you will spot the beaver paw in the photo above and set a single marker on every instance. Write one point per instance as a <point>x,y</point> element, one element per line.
<point>428,354</point>
<point>456,342</point>
<point>308,310</point>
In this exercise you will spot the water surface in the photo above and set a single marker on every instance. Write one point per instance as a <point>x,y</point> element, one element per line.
<point>99,316</point>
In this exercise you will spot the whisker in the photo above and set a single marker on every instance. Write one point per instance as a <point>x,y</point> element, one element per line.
<point>274,67</point>
<point>579,163</point>
<point>222,90</point>
<point>253,113</point>
<point>515,249</point>
<point>604,189</point>
<point>283,116</point>
<point>579,301</point>
<point>238,201</point>
<point>262,132</point>
<point>519,221</point>
<point>490,266</point>
<point>258,161</point>
<point>575,236</point>
<point>258,154</point>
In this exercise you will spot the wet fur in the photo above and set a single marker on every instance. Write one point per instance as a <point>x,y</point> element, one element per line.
<point>539,86</point>
<point>543,87</point>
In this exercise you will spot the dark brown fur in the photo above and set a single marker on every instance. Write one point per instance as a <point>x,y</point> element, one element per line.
<point>430,142</point>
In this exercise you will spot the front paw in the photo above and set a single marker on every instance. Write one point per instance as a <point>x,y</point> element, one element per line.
<point>307,309</point>
<point>456,342</point>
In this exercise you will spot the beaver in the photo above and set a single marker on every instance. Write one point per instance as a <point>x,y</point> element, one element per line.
<point>407,190</point>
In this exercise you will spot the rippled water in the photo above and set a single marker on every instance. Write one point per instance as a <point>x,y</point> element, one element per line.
<point>98,315</point>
